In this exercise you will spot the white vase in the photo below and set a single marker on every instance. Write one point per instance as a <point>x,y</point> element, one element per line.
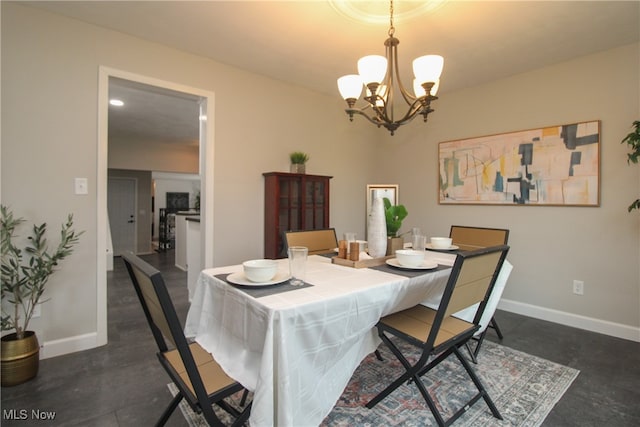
<point>377,229</point>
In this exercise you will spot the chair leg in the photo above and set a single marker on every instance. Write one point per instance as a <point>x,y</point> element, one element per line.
<point>480,340</point>
<point>478,384</point>
<point>396,351</point>
<point>167,412</point>
<point>430,403</point>
<point>243,417</point>
<point>379,356</point>
<point>391,387</point>
<point>472,353</point>
<point>210,416</point>
<point>494,325</point>
<point>245,393</point>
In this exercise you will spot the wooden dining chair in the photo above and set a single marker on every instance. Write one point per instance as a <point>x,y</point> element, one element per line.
<point>198,377</point>
<point>439,334</point>
<point>487,316</point>
<point>318,241</point>
<point>470,238</point>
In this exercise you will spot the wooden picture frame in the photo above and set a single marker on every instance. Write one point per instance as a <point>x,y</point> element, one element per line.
<point>389,191</point>
<point>550,166</point>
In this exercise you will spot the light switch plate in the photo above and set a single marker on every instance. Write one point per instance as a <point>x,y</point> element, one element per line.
<point>82,186</point>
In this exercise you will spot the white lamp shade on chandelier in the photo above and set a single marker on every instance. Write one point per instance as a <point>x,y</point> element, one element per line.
<point>376,74</point>
<point>427,69</point>
<point>373,69</point>
<point>350,86</point>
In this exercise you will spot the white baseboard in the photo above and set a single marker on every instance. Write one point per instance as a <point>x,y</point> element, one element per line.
<point>87,341</point>
<point>68,345</point>
<point>574,320</point>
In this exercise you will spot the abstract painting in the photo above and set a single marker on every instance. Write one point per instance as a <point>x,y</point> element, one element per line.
<point>550,166</point>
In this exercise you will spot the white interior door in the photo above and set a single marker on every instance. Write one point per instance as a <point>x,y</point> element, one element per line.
<point>121,204</point>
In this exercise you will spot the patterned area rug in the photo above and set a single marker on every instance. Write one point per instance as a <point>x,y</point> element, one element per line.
<point>524,388</point>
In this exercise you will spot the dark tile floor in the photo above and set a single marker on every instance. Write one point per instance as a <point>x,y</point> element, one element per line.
<point>122,384</point>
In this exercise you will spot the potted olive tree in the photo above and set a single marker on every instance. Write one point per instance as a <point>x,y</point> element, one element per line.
<point>633,139</point>
<point>394,215</point>
<point>25,272</point>
<point>298,161</point>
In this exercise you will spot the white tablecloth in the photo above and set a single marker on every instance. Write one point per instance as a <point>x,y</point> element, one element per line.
<point>297,350</point>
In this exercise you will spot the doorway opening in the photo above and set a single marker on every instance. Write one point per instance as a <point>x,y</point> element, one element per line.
<point>107,158</point>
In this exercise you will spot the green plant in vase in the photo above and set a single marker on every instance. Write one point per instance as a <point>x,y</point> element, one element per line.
<point>298,161</point>
<point>25,272</point>
<point>394,215</point>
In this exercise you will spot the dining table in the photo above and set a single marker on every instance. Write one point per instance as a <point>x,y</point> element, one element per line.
<point>296,347</point>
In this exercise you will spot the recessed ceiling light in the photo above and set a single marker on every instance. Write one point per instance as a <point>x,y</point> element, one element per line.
<point>116,102</point>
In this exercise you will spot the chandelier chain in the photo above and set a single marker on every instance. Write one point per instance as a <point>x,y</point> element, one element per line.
<point>392,30</point>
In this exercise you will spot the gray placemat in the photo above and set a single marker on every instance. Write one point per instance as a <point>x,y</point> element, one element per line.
<point>263,291</point>
<point>328,254</point>
<point>448,251</point>
<point>408,273</point>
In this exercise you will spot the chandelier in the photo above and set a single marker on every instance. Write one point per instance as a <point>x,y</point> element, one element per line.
<point>379,75</point>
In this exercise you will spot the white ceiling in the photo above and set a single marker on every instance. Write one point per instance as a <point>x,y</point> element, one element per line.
<point>151,114</point>
<point>311,44</point>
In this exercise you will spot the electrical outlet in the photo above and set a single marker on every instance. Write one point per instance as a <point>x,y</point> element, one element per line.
<point>578,287</point>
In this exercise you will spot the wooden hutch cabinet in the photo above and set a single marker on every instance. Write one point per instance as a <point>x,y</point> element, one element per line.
<point>293,202</point>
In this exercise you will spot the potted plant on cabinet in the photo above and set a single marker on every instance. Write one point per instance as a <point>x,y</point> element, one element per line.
<point>298,161</point>
<point>25,272</point>
<point>633,139</point>
<point>394,215</point>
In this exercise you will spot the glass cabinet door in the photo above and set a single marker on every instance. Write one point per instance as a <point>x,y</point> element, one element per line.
<point>289,206</point>
<point>314,204</point>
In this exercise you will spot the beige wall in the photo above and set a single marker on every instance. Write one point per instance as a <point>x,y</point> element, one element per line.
<point>153,156</point>
<point>551,246</point>
<point>49,136</point>
<point>50,68</point>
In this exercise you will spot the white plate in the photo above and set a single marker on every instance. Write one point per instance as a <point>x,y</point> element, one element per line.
<point>450,248</point>
<point>240,279</point>
<point>426,265</point>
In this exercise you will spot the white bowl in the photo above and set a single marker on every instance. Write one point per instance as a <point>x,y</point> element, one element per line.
<point>260,270</point>
<point>441,242</point>
<point>410,257</point>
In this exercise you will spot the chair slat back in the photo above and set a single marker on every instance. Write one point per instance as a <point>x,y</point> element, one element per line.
<point>162,317</point>
<point>165,325</point>
<point>476,275</point>
<point>158,307</point>
<point>317,241</point>
<point>469,238</point>
<point>155,314</point>
<point>472,277</point>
